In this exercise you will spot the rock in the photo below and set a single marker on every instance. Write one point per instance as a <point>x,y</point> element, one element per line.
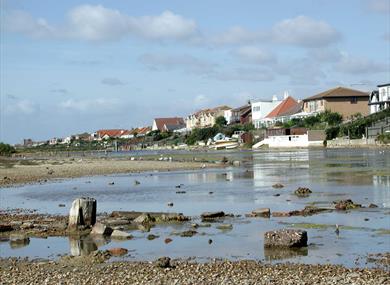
<point>170,204</point>
<point>285,238</point>
<point>118,251</point>
<point>276,195</point>
<point>5,228</point>
<point>211,193</point>
<point>18,240</point>
<point>236,163</point>
<point>136,182</point>
<point>278,185</point>
<point>210,241</point>
<point>346,205</point>
<point>101,229</point>
<point>163,262</point>
<point>61,205</point>
<point>152,237</point>
<point>168,240</point>
<point>372,206</point>
<point>307,211</point>
<point>188,233</point>
<point>302,192</point>
<point>116,222</point>
<point>82,213</point>
<point>225,227</point>
<point>117,234</point>
<point>262,212</point>
<point>27,225</point>
<point>181,192</point>
<point>212,215</point>
<point>111,183</point>
<point>144,219</point>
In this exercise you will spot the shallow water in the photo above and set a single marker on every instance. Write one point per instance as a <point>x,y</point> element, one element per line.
<point>332,174</point>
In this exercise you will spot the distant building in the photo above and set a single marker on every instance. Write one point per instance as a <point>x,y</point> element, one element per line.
<point>206,118</point>
<point>342,100</point>
<point>260,109</point>
<point>168,124</point>
<point>28,142</point>
<point>380,99</point>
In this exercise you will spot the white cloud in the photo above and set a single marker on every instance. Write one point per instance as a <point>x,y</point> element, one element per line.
<point>187,63</point>
<point>97,23</point>
<point>304,31</point>
<point>359,65</point>
<point>237,35</point>
<point>254,54</point>
<point>90,105</point>
<point>379,6</point>
<point>22,107</point>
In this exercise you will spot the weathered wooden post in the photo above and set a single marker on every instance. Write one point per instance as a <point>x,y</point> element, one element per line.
<point>82,213</point>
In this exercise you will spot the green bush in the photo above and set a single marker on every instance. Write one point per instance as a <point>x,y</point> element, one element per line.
<point>6,149</point>
<point>384,138</point>
<point>220,121</point>
<point>202,134</point>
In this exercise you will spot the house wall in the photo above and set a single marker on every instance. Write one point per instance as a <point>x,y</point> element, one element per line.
<point>314,106</point>
<point>346,107</point>
<point>288,141</point>
<point>154,127</point>
<point>383,100</point>
<point>260,109</point>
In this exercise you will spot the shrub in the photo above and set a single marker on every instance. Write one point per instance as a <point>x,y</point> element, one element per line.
<point>6,149</point>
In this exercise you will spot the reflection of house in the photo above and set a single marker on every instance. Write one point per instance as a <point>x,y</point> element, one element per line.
<point>241,115</point>
<point>380,99</point>
<point>260,109</point>
<point>206,118</point>
<point>284,111</point>
<point>342,100</point>
<point>168,124</point>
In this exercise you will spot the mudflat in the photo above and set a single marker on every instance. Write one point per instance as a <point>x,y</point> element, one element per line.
<point>18,171</point>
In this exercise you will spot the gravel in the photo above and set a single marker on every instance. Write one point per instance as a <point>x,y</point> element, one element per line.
<point>81,271</point>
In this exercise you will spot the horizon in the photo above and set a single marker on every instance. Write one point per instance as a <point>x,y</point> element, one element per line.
<point>70,67</point>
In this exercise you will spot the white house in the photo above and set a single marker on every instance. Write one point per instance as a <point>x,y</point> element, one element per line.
<point>260,109</point>
<point>380,99</point>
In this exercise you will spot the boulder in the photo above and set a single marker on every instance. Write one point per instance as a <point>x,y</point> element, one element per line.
<point>372,206</point>
<point>152,237</point>
<point>302,192</point>
<point>212,215</point>
<point>168,240</point>
<point>101,229</point>
<point>285,238</point>
<point>117,234</point>
<point>262,212</point>
<point>278,185</point>
<point>18,240</point>
<point>163,262</point>
<point>188,233</point>
<point>118,251</point>
<point>346,205</point>
<point>82,213</point>
<point>144,219</point>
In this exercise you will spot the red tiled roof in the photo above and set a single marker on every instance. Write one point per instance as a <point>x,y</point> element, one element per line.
<point>160,122</point>
<point>111,133</point>
<point>283,108</point>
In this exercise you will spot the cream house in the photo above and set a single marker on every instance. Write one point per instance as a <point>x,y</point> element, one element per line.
<point>205,118</point>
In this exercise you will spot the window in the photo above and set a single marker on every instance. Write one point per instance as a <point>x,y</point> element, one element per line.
<point>353,100</point>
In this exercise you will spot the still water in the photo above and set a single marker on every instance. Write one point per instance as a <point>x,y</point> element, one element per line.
<point>332,174</point>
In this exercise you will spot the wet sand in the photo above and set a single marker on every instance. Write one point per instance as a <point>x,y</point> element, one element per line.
<point>30,171</point>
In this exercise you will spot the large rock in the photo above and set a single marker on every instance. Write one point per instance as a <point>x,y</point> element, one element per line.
<point>302,192</point>
<point>18,240</point>
<point>117,234</point>
<point>82,213</point>
<point>346,205</point>
<point>285,238</point>
<point>101,229</point>
<point>212,215</point>
<point>144,219</point>
<point>262,212</point>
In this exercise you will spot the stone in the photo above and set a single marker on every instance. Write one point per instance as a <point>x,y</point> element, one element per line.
<point>168,240</point>
<point>181,192</point>
<point>302,192</point>
<point>188,233</point>
<point>118,251</point>
<point>278,185</point>
<point>27,225</point>
<point>170,204</point>
<point>212,215</point>
<point>101,229</point>
<point>372,206</point>
<point>82,213</point>
<point>61,205</point>
<point>236,163</point>
<point>18,240</point>
<point>262,212</point>
<point>144,219</point>
<point>344,205</point>
<point>225,227</point>
<point>163,262</point>
<point>5,228</point>
<point>117,234</point>
<point>152,237</point>
<point>210,241</point>
<point>285,238</point>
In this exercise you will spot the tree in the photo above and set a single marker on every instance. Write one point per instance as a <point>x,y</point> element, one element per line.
<point>220,121</point>
<point>6,149</point>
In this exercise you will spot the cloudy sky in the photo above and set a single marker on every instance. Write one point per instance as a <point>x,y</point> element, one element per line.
<point>71,66</point>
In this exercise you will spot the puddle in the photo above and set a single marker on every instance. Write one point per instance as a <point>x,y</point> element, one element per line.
<point>360,175</point>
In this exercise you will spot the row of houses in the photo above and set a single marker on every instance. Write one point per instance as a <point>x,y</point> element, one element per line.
<point>263,113</point>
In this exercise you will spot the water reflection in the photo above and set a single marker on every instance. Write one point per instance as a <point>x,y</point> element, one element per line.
<point>80,246</point>
<point>271,254</point>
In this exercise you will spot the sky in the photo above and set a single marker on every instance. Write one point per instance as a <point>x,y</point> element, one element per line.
<point>72,66</point>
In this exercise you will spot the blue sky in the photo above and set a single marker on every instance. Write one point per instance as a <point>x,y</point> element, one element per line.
<point>72,66</point>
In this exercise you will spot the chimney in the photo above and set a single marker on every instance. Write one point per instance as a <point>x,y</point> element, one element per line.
<point>274,98</point>
<point>285,95</point>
